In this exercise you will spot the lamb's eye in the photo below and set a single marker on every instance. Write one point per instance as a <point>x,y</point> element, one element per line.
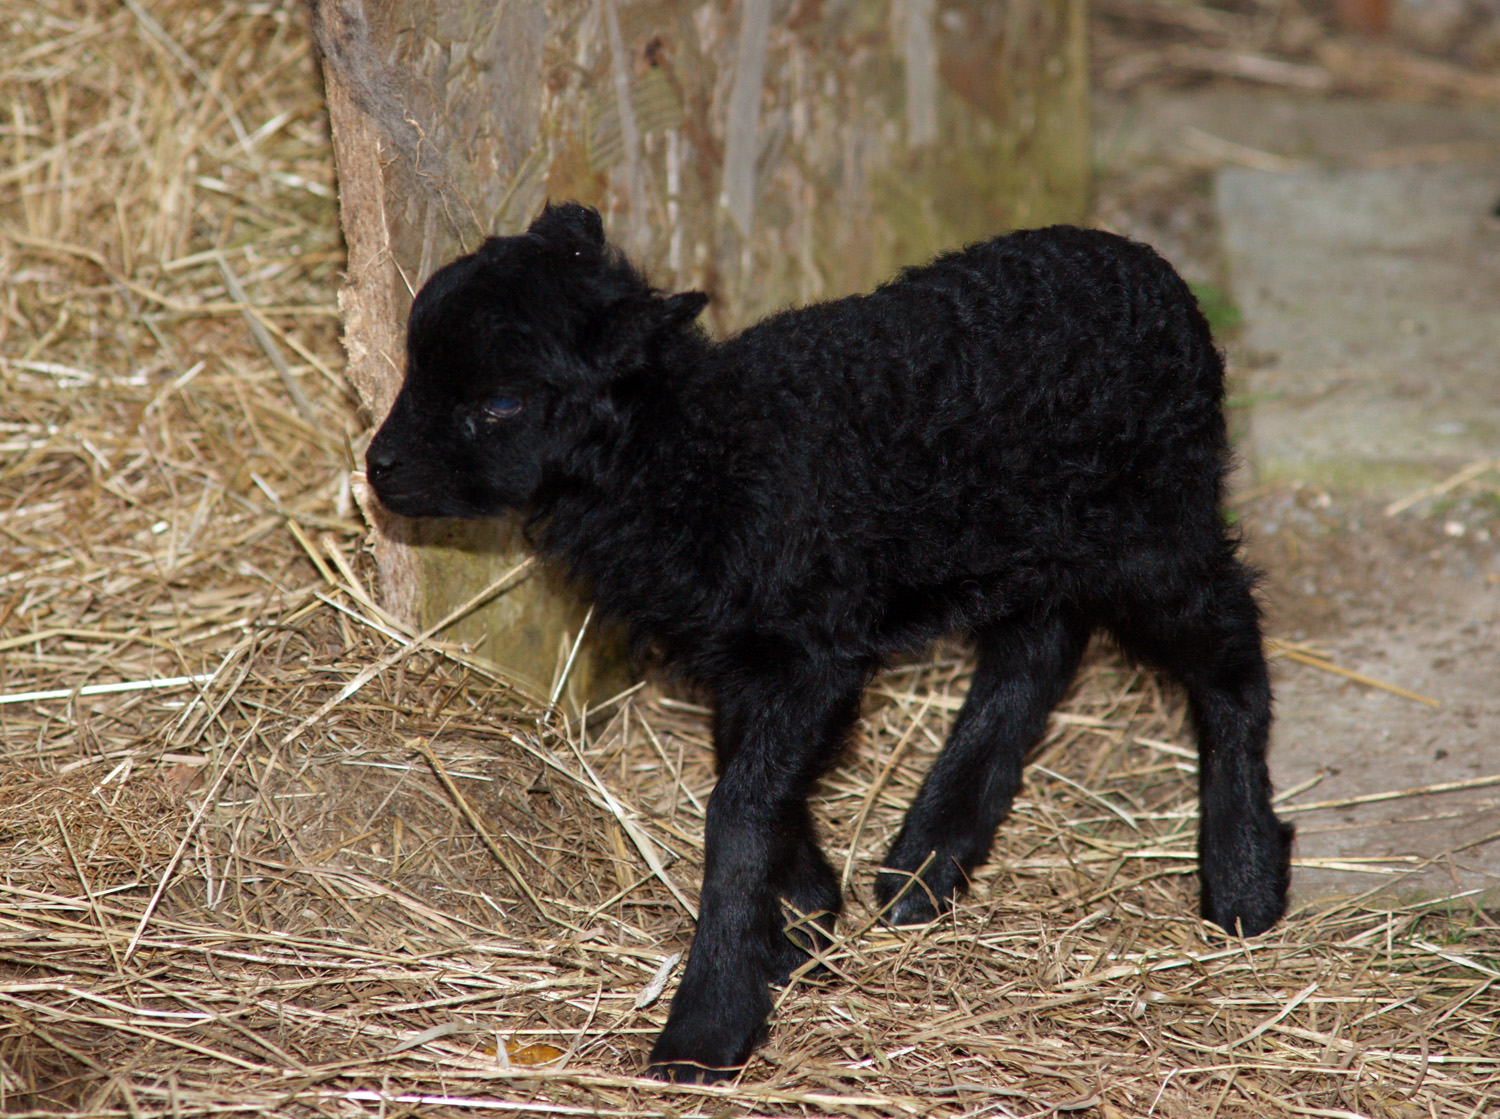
<point>502,407</point>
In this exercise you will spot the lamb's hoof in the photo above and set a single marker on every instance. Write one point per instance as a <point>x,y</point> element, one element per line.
<point>680,1062</point>
<point>801,941</point>
<point>1247,896</point>
<point>687,1072</point>
<point>710,1034</point>
<point>906,900</point>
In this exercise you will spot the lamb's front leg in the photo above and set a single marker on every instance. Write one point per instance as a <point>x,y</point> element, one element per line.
<point>759,847</point>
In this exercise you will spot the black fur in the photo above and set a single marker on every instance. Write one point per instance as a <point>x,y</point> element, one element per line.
<point>1023,441</point>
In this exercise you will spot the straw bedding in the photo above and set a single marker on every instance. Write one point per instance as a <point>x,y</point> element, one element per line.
<point>334,869</point>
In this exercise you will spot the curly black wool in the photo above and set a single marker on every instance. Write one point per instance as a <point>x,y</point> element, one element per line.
<point>1022,442</point>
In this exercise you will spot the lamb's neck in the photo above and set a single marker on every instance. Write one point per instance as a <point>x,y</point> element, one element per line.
<point>656,474</point>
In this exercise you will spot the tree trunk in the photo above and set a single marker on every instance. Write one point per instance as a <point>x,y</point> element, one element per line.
<point>769,152</point>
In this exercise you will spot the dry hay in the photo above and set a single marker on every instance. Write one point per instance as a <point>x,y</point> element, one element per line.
<point>289,884</point>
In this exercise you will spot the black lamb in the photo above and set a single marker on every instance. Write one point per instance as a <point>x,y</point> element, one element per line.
<point>1022,442</point>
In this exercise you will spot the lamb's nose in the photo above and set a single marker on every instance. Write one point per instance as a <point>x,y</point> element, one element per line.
<point>380,459</point>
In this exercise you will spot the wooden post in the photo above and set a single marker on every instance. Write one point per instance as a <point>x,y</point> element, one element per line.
<point>768,153</point>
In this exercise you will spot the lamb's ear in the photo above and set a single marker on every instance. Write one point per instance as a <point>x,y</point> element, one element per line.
<point>683,307</point>
<point>569,221</point>
<point>633,326</point>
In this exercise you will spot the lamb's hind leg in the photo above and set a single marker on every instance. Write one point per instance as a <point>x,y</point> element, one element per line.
<point>810,900</point>
<point>1210,639</point>
<point>1023,670</point>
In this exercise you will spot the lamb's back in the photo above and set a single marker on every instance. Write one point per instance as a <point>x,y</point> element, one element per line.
<point>1050,366</point>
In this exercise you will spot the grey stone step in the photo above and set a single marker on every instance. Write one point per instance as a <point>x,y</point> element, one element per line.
<point>1370,359</point>
<point>1371,300</point>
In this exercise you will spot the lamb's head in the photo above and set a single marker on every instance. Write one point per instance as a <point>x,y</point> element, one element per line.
<point>514,356</point>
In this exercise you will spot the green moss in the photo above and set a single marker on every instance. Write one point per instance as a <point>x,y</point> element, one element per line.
<point>1221,311</point>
